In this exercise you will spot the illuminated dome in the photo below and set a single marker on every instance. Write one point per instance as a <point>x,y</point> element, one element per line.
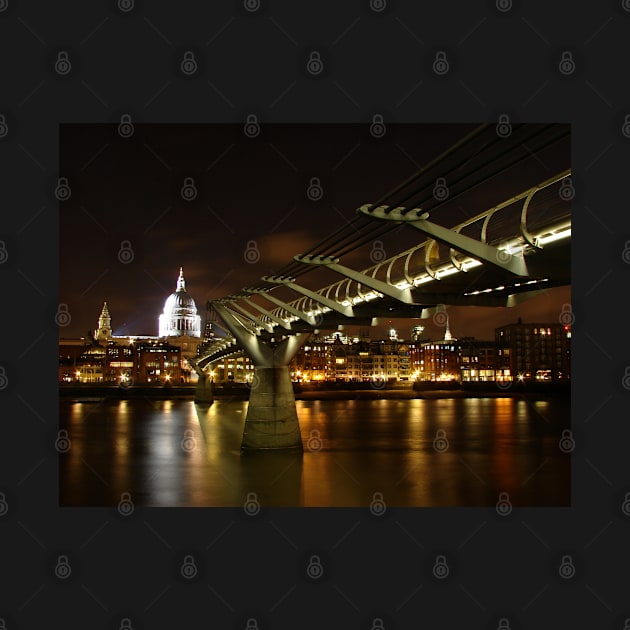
<point>180,313</point>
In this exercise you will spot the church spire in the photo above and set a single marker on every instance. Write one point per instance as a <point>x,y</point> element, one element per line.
<point>104,330</point>
<point>447,333</point>
<point>181,283</point>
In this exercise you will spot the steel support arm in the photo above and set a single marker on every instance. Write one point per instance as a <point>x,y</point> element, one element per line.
<point>257,351</point>
<point>333,305</point>
<point>476,249</point>
<point>330,262</point>
<point>287,307</point>
<point>269,314</point>
<point>246,313</point>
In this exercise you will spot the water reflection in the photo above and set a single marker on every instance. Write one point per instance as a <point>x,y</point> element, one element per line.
<point>176,453</point>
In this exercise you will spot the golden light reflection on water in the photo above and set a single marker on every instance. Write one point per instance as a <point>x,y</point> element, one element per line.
<point>177,453</point>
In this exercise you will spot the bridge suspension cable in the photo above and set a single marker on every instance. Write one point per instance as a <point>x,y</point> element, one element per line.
<point>358,232</point>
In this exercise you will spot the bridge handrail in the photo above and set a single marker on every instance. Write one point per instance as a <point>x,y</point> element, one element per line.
<point>526,196</point>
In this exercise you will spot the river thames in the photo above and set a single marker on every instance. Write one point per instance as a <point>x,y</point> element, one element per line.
<point>424,452</point>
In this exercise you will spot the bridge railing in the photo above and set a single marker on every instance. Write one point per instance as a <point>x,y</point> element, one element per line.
<point>525,218</point>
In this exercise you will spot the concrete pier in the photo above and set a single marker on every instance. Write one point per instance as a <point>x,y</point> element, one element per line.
<point>203,392</point>
<point>271,420</point>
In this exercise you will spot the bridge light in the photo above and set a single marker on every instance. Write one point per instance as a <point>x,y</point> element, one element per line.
<point>448,272</point>
<point>422,280</point>
<point>554,236</point>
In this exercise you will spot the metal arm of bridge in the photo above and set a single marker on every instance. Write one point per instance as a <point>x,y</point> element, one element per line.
<point>281,322</point>
<point>255,320</point>
<point>249,322</point>
<point>402,295</point>
<point>309,319</point>
<point>476,249</point>
<point>324,301</point>
<point>500,268</point>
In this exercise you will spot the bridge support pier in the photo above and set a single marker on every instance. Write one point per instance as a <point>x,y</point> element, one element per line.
<point>203,392</point>
<point>271,422</point>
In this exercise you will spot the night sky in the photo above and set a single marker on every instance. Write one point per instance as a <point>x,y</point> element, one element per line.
<point>248,190</point>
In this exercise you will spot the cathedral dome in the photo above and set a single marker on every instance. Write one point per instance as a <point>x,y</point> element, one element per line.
<point>180,313</point>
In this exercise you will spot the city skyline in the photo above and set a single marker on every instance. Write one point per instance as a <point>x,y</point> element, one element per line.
<point>465,321</point>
